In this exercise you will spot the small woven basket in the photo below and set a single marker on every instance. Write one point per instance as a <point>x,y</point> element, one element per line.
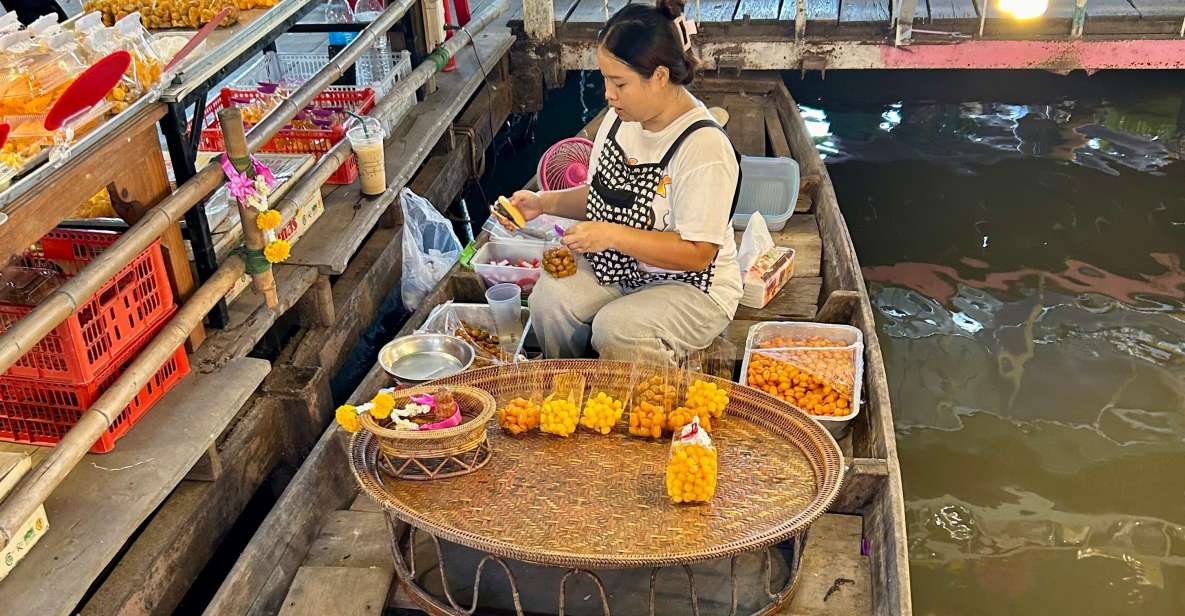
<point>435,454</point>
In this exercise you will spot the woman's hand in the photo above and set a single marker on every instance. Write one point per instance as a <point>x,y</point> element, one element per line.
<point>530,203</point>
<point>591,236</point>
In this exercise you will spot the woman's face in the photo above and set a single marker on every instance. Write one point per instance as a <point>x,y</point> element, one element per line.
<point>635,98</point>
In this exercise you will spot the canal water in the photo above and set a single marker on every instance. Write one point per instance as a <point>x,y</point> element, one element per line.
<point>1022,235</point>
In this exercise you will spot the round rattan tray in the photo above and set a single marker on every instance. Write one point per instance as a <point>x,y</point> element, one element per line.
<point>598,502</point>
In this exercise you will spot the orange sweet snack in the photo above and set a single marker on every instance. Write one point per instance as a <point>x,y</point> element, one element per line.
<point>683,415</point>
<point>559,262</point>
<point>518,416</point>
<point>652,398</point>
<point>601,413</point>
<point>818,380</point>
<point>691,469</point>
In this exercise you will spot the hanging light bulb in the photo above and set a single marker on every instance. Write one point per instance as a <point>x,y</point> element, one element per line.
<point>1024,9</point>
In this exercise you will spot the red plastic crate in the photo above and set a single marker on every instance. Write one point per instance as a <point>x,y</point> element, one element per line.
<point>291,140</point>
<point>85,345</point>
<point>39,413</point>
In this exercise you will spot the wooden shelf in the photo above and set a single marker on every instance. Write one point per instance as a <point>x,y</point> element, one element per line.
<point>107,497</point>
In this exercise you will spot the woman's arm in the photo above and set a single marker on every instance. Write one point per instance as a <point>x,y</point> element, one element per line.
<point>664,249</point>
<point>567,203</point>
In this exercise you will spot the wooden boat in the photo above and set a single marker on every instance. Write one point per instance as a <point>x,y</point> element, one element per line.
<point>325,549</point>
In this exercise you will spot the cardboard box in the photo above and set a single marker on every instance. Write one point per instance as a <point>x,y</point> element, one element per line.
<point>765,279</point>
<point>13,466</point>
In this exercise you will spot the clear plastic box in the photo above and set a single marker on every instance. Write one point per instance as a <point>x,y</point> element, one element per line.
<point>473,314</point>
<point>511,250</point>
<point>848,340</point>
<point>770,186</point>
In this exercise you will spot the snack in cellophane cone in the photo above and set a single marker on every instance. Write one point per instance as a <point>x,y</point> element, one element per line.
<point>815,374</point>
<point>103,42</point>
<point>518,412</point>
<point>558,260</point>
<point>561,409</point>
<point>654,392</point>
<point>702,398</point>
<point>608,397</point>
<point>160,14</point>
<point>146,66</point>
<point>691,469</point>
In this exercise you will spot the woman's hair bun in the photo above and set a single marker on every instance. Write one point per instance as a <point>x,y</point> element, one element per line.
<point>671,8</point>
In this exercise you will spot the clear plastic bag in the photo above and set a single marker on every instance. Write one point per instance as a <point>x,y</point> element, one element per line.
<point>429,248</point>
<point>473,323</point>
<point>608,398</point>
<point>560,413</point>
<point>558,260</point>
<point>702,398</point>
<point>691,467</point>
<point>519,409</point>
<point>654,393</point>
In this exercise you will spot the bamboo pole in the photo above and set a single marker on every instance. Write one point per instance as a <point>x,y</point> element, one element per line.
<point>21,337</point>
<point>231,121</point>
<point>39,484</point>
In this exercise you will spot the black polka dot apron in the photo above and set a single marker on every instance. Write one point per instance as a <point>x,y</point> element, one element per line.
<point>624,193</point>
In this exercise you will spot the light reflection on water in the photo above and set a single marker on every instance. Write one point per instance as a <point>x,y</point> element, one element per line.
<point>1025,262</point>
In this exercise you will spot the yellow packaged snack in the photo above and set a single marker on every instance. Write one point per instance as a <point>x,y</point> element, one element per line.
<point>691,468</point>
<point>561,410</point>
<point>602,412</point>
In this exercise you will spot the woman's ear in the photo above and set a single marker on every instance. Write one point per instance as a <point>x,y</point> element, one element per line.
<point>661,76</point>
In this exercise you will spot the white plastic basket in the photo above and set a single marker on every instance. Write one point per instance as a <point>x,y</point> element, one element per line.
<point>770,186</point>
<point>497,250</point>
<point>844,336</point>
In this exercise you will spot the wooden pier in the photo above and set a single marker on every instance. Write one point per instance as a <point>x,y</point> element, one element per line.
<point>890,34</point>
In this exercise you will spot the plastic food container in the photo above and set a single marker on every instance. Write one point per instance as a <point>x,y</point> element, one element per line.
<point>480,315</point>
<point>510,250</point>
<point>845,337</point>
<point>770,186</point>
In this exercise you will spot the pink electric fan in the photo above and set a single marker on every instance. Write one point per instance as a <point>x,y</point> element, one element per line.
<point>565,164</point>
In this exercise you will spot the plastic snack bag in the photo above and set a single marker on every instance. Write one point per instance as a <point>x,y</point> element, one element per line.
<point>703,398</point>
<point>691,469</point>
<point>561,410</point>
<point>815,374</point>
<point>608,397</point>
<point>654,392</point>
<point>518,412</point>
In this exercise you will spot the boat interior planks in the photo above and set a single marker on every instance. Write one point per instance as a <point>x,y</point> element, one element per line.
<point>337,590</point>
<point>816,10</point>
<point>856,11</point>
<point>349,217</point>
<point>952,10</point>
<point>758,10</point>
<point>106,498</point>
<point>708,11</point>
<point>591,11</point>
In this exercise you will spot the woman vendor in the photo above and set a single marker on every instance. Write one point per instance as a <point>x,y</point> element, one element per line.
<point>659,277</point>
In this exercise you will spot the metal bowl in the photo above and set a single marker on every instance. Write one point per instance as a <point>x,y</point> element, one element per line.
<point>418,358</point>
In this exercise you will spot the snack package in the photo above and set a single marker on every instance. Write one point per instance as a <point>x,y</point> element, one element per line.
<point>558,260</point>
<point>815,374</point>
<point>129,89</point>
<point>691,468</point>
<point>518,411</point>
<point>160,14</point>
<point>560,412</point>
<point>702,398</point>
<point>247,5</point>
<point>607,400</point>
<point>654,392</point>
<point>146,66</point>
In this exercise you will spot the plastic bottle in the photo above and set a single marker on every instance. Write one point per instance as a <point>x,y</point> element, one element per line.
<point>375,64</point>
<point>339,12</point>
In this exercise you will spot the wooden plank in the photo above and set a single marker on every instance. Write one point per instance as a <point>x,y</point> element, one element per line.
<point>796,301</point>
<point>834,578</point>
<point>265,569</point>
<point>358,539</point>
<point>816,10</point>
<point>757,10</point>
<point>364,502</point>
<point>317,591</point>
<point>349,217</point>
<point>704,11</point>
<point>839,307</point>
<point>864,480</point>
<point>774,135</point>
<point>593,11</point>
<point>864,11</point>
<point>106,497</point>
<point>941,10</point>
<point>1152,8</point>
<point>154,574</point>
<point>746,128</point>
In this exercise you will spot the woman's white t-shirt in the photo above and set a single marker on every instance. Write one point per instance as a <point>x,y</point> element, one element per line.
<point>695,197</point>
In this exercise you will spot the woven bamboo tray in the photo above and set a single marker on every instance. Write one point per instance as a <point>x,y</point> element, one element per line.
<point>435,454</point>
<point>599,502</point>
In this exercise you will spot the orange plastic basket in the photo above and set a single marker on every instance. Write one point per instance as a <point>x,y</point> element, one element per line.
<point>292,140</point>
<point>85,345</point>
<point>39,413</point>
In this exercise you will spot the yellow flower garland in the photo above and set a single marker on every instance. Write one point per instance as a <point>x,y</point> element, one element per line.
<point>277,251</point>
<point>347,417</point>
<point>267,220</point>
<point>383,403</point>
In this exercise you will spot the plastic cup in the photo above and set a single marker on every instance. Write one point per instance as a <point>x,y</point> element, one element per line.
<point>505,301</point>
<point>367,141</point>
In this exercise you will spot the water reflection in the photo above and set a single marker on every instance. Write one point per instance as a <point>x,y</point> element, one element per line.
<point>1025,262</point>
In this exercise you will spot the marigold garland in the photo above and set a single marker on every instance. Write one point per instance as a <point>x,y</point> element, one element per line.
<point>347,417</point>
<point>267,220</point>
<point>277,251</point>
<point>383,403</point>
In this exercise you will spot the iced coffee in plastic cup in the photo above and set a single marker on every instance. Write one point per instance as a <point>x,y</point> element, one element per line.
<point>367,140</point>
